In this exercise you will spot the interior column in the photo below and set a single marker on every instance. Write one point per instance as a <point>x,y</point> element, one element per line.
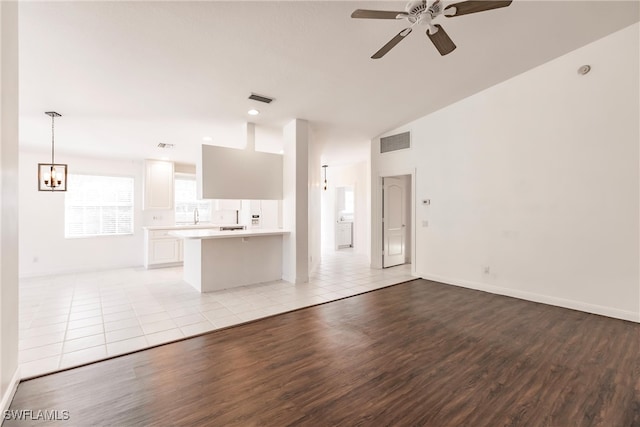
<point>295,206</point>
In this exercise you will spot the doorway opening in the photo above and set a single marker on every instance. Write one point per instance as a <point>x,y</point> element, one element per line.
<point>344,217</point>
<point>396,220</point>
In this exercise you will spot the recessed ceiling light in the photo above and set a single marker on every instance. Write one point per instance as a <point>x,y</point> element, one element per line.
<point>253,112</point>
<point>207,138</point>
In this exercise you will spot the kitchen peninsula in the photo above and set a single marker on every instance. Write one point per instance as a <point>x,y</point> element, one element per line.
<point>215,260</point>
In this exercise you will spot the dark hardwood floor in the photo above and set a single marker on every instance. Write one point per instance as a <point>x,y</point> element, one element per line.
<point>415,354</point>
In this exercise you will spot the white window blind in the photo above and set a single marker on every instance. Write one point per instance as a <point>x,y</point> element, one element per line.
<point>98,206</point>
<point>186,200</point>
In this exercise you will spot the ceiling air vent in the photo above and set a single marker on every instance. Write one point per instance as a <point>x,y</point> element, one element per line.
<point>260,98</point>
<point>163,145</point>
<point>397,142</point>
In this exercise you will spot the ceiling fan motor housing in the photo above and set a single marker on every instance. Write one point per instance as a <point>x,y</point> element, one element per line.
<point>416,7</point>
<point>418,12</point>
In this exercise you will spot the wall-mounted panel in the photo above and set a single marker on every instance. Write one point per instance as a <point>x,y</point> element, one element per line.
<point>230,173</point>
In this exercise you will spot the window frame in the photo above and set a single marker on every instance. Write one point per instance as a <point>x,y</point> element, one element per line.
<point>185,176</point>
<point>102,235</point>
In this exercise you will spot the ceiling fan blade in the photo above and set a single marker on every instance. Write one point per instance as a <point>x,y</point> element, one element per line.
<point>377,14</point>
<point>441,40</point>
<point>391,43</point>
<point>474,6</point>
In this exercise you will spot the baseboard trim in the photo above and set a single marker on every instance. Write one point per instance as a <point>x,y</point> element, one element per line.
<point>164,265</point>
<point>11,391</point>
<point>62,272</point>
<point>544,299</point>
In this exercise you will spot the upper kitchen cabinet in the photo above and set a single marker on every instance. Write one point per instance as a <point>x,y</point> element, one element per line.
<point>158,185</point>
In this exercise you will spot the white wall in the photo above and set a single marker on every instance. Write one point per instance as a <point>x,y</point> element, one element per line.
<point>9,374</point>
<point>356,175</point>
<point>270,214</point>
<point>536,178</point>
<point>42,222</point>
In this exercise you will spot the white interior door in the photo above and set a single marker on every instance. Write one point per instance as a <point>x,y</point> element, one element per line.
<point>393,226</point>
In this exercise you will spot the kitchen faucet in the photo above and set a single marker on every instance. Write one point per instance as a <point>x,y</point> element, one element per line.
<point>196,216</point>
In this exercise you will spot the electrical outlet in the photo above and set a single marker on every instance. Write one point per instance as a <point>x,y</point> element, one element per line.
<point>35,259</point>
<point>425,223</point>
<point>487,270</point>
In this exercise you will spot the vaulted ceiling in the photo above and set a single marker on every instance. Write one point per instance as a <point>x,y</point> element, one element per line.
<point>128,75</point>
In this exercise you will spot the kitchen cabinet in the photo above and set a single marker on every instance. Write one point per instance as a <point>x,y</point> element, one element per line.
<point>344,235</point>
<point>158,185</point>
<point>162,249</point>
<point>215,260</point>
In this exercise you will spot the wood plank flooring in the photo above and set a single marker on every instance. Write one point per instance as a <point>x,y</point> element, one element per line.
<point>415,354</point>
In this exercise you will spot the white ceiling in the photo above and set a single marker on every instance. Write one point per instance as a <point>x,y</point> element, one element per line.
<point>128,75</point>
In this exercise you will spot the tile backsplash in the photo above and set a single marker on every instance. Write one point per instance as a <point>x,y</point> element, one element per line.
<point>223,217</point>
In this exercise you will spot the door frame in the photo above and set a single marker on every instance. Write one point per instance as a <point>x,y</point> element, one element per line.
<point>376,216</point>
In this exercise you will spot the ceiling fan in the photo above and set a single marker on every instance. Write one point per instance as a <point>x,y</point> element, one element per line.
<point>424,12</point>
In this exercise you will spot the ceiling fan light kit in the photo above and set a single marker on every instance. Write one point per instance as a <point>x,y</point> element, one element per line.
<point>423,12</point>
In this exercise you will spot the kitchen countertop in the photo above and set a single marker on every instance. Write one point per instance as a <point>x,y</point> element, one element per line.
<point>214,234</point>
<point>185,226</point>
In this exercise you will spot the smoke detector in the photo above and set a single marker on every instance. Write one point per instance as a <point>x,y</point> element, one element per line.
<point>584,69</point>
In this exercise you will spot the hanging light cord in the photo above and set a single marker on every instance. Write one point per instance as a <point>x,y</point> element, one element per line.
<point>52,139</point>
<point>324,167</point>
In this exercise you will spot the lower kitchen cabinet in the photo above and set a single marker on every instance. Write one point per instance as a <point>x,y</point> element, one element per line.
<point>344,235</point>
<point>161,249</point>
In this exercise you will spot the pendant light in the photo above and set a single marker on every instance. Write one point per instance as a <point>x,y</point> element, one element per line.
<point>52,176</point>
<point>324,167</point>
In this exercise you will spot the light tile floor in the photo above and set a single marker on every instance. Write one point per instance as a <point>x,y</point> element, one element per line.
<point>69,320</point>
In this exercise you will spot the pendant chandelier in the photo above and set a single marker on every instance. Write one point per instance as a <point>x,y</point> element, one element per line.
<point>52,176</point>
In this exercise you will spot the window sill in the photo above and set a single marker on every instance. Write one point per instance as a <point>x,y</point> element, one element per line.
<point>98,235</point>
